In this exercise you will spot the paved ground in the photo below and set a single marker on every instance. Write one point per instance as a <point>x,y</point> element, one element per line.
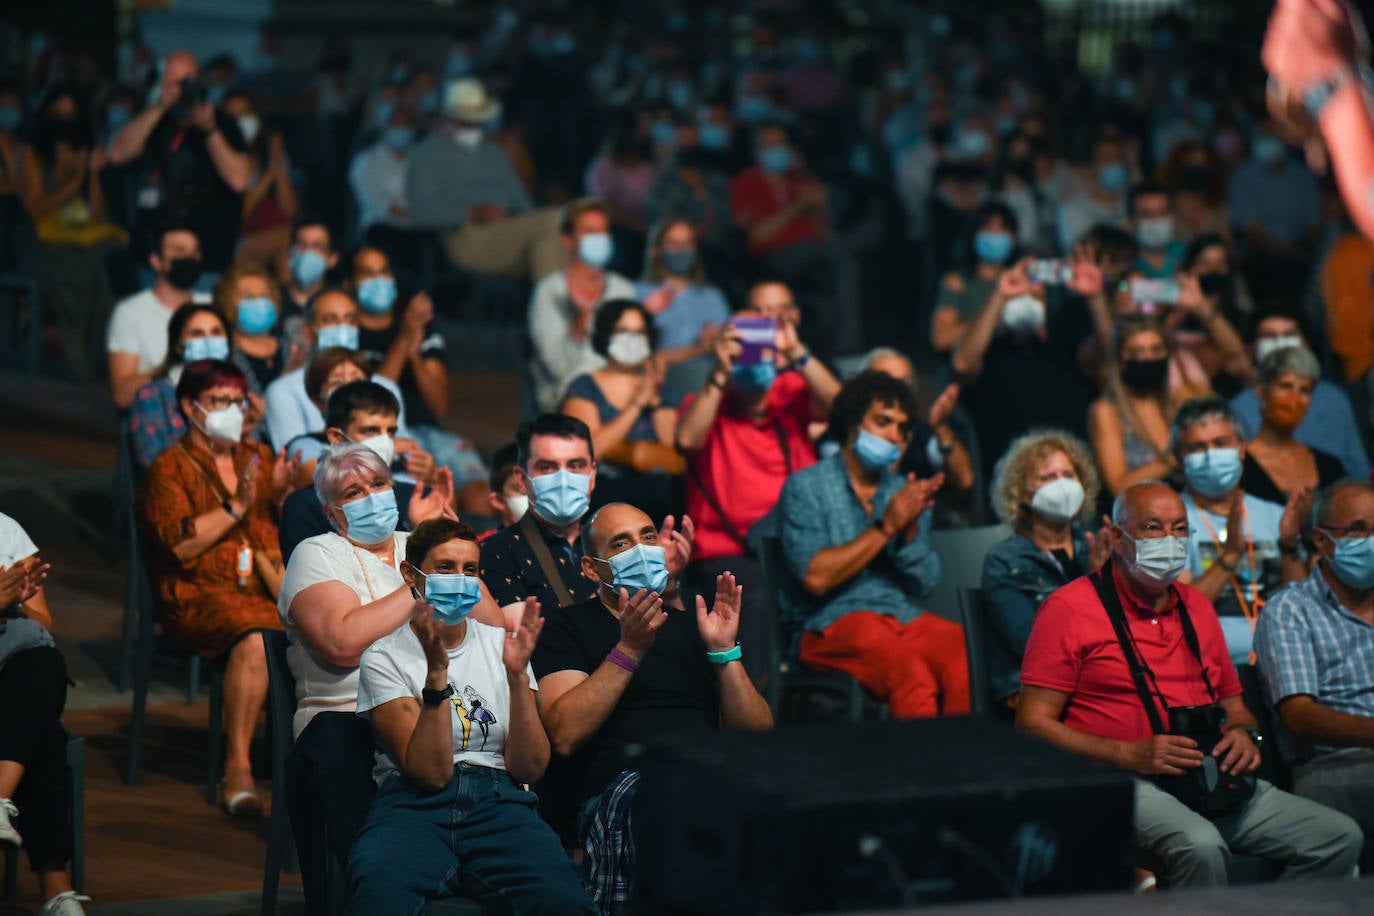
<point>160,847</point>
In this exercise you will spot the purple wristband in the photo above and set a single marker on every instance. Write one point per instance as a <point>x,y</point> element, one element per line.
<point>621,660</point>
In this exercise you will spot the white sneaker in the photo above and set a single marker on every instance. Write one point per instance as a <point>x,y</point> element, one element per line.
<point>7,832</point>
<point>67,903</point>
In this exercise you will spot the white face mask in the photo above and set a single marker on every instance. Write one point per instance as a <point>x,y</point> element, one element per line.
<point>225,424</point>
<point>1059,500</point>
<point>468,137</point>
<point>249,125</point>
<point>1158,560</point>
<point>1023,314</point>
<point>1266,345</point>
<point>629,348</point>
<point>383,445</point>
<point>518,505</point>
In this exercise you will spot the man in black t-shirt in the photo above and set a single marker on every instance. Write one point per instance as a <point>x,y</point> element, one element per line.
<point>195,162</point>
<point>629,665</point>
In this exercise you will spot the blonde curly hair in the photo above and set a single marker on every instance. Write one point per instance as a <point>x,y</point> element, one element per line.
<point>1011,485</point>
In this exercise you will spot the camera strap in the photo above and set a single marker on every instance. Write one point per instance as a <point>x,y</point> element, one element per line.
<point>1111,603</point>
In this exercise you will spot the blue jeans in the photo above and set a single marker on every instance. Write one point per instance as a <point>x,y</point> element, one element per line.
<point>478,834</point>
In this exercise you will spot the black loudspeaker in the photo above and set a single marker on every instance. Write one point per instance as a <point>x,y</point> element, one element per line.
<point>834,817</point>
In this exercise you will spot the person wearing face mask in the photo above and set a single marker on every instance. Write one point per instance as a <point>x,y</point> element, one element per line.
<point>377,177</point>
<point>1099,195</point>
<point>270,203</point>
<point>208,506</point>
<point>452,703</point>
<point>343,590</point>
<point>1045,489</point>
<point>622,173</point>
<point>964,292</point>
<point>688,312</point>
<point>1277,464</point>
<point>1315,657</point>
<point>1329,424</point>
<point>1130,422</point>
<point>564,303</point>
<point>1276,214</point>
<point>508,498</point>
<point>1078,693</point>
<point>311,255</point>
<point>250,301</point>
<point>1017,362</point>
<point>856,539</point>
<point>137,337</point>
<point>628,663</point>
<point>461,184</point>
<point>155,420</point>
<point>622,404</point>
<point>1150,215</point>
<point>1240,548</point>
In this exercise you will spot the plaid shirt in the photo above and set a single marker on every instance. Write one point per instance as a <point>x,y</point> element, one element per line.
<point>1307,643</point>
<point>608,854</point>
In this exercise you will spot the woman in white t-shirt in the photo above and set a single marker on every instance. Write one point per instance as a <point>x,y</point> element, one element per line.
<point>451,702</point>
<point>342,592</point>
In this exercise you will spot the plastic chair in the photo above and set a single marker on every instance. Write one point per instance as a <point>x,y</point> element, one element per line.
<point>76,762</point>
<point>972,616</point>
<point>281,709</point>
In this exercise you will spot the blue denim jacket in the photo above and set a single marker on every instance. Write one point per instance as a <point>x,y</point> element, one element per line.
<point>819,509</point>
<point>1017,578</point>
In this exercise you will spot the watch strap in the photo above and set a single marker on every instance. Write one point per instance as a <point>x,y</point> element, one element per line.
<point>435,697</point>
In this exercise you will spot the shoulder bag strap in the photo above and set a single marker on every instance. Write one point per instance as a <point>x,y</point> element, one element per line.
<point>535,536</point>
<point>1111,603</point>
<point>716,507</point>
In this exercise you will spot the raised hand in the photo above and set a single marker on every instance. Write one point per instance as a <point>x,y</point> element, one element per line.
<point>419,313</point>
<point>1295,514</point>
<point>1014,281</point>
<point>788,341</point>
<point>907,504</point>
<point>1099,545</point>
<point>720,628</point>
<point>436,503</point>
<point>728,349</point>
<point>430,632</point>
<point>519,645</point>
<point>22,580</point>
<point>1087,275</point>
<point>641,616</point>
<point>247,492</point>
<point>1235,529</point>
<point>419,463</point>
<point>284,473</point>
<point>1309,40</point>
<point>943,407</point>
<point>203,117</point>
<point>677,544</point>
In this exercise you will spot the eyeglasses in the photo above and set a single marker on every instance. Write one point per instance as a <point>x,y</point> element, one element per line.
<point>1357,530</point>
<point>222,401</point>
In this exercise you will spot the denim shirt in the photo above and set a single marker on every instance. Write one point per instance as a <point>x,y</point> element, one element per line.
<point>819,509</point>
<point>1017,577</point>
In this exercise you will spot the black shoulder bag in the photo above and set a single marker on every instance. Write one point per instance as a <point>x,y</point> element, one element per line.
<point>1205,789</point>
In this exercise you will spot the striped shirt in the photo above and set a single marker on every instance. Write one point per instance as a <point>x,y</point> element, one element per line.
<point>1308,643</point>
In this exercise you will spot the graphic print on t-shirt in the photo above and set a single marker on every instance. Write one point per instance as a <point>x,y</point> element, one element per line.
<point>472,710</point>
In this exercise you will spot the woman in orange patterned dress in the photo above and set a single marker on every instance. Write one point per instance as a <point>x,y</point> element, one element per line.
<point>207,507</point>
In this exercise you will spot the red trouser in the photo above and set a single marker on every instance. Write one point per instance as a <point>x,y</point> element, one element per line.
<point>920,668</point>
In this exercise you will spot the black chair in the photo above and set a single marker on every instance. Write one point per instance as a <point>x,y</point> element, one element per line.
<point>795,690</point>
<point>21,321</point>
<point>76,762</point>
<point>281,709</point>
<point>961,552</point>
<point>973,617</point>
<point>1272,767</point>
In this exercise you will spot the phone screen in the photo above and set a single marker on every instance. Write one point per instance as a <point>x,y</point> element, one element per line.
<point>759,337</point>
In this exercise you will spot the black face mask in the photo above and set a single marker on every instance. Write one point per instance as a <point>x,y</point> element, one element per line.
<point>1195,178</point>
<point>1214,284</point>
<point>1145,374</point>
<point>183,272</point>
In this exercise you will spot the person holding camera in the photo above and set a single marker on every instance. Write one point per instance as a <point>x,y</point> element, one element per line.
<point>195,163</point>
<point>1131,668</point>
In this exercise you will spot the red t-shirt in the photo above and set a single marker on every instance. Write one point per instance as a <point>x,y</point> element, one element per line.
<point>1073,649</point>
<point>753,197</point>
<point>743,465</point>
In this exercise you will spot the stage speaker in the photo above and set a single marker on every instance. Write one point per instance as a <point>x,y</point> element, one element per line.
<point>832,817</point>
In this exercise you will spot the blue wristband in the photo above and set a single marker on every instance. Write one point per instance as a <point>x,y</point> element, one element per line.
<point>726,657</point>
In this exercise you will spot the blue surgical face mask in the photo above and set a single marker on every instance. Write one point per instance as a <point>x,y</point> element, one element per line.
<point>115,118</point>
<point>643,566</point>
<point>663,133</point>
<point>1214,472</point>
<point>679,262</point>
<point>1268,150</point>
<point>337,335</point>
<point>1114,176</point>
<point>10,117</point>
<point>307,267</point>
<point>595,249</point>
<point>993,247</point>
<point>874,452</point>
<point>453,596</point>
<point>1353,562</point>
<point>713,135</point>
<point>205,348</point>
<point>377,294</point>
<point>755,379</point>
<point>776,159</point>
<point>256,315</point>
<point>372,518</point>
<point>398,136</point>
<point>561,498</point>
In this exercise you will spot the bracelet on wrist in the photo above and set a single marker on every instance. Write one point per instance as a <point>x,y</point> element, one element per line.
<point>800,362</point>
<point>716,382</point>
<point>726,657</point>
<point>227,506</point>
<point>621,660</point>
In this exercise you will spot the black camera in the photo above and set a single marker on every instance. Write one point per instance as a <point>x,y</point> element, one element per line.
<point>1206,789</point>
<point>193,92</point>
<point>1201,723</point>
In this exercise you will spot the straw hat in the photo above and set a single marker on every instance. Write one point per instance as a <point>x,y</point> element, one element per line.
<point>466,100</point>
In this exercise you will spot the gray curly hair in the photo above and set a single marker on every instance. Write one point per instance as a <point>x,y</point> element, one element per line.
<point>1011,485</point>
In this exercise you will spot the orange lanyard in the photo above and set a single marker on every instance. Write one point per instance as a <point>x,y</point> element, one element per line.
<point>1251,611</point>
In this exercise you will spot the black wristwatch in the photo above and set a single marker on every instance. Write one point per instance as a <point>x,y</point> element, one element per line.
<point>1255,736</point>
<point>435,697</point>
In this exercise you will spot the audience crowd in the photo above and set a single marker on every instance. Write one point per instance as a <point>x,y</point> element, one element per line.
<point>799,287</point>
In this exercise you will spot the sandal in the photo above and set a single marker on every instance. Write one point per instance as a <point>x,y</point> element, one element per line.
<point>243,803</point>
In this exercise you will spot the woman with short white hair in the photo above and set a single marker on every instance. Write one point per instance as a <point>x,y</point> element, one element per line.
<point>342,592</point>
<point>1277,465</point>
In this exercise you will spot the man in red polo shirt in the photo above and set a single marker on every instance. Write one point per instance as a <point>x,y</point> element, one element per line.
<point>743,434</point>
<point>1078,693</point>
<point>783,211</point>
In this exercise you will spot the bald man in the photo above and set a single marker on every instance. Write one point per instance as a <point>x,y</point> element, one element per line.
<point>1315,643</point>
<point>194,158</point>
<point>634,663</point>
<point>1079,694</point>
